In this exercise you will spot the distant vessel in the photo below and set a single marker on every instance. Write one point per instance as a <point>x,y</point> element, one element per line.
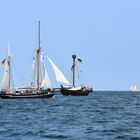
<point>134,88</point>
<point>37,91</point>
<point>75,90</point>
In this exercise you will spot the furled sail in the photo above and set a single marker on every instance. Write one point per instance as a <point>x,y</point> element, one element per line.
<point>58,74</point>
<point>46,81</point>
<point>6,75</point>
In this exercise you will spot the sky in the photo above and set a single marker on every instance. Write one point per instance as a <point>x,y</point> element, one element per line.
<point>105,34</point>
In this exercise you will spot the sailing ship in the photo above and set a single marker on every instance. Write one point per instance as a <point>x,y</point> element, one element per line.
<point>33,91</point>
<point>75,90</point>
<point>134,88</point>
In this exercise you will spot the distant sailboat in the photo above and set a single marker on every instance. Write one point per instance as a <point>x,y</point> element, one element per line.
<point>33,91</point>
<point>75,90</point>
<point>134,88</point>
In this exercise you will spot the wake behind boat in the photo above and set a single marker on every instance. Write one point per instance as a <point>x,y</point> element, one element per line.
<point>34,91</point>
<point>75,90</point>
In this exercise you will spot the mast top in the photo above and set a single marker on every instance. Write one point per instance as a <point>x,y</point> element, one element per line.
<point>9,52</point>
<point>73,56</point>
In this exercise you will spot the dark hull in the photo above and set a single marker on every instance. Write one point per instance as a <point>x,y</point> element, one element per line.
<point>67,92</point>
<point>29,96</point>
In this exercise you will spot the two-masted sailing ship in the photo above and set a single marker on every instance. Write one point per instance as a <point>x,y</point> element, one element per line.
<point>75,90</point>
<point>32,91</point>
<point>40,87</point>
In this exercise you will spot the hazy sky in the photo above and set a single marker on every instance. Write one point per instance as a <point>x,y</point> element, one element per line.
<point>104,33</point>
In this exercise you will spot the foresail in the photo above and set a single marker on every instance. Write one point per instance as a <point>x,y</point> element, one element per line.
<point>58,74</point>
<point>5,80</point>
<point>46,81</point>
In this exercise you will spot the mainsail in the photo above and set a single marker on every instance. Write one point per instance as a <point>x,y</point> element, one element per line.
<point>5,84</point>
<point>58,74</point>
<point>46,81</point>
<point>5,80</point>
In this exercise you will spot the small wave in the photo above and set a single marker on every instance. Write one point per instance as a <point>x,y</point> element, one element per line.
<point>54,136</point>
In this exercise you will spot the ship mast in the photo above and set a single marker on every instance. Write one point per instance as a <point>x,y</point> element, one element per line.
<point>9,64</point>
<point>73,68</point>
<point>38,58</point>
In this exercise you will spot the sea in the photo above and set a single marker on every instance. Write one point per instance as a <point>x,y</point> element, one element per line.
<point>103,115</point>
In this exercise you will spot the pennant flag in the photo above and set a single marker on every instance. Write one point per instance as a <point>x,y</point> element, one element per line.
<point>79,60</point>
<point>72,67</point>
<point>3,62</point>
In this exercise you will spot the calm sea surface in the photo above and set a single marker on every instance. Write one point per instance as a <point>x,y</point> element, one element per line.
<point>101,115</point>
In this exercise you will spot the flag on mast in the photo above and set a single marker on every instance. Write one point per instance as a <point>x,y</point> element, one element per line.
<point>79,60</point>
<point>3,62</point>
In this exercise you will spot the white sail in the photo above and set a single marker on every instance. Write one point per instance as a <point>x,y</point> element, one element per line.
<point>5,80</point>
<point>135,88</point>
<point>58,74</point>
<point>131,88</point>
<point>33,71</point>
<point>46,81</point>
<point>6,76</point>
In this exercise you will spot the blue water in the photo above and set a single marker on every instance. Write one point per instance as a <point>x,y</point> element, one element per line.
<point>101,115</point>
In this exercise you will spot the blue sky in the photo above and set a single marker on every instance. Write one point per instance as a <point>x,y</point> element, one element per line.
<point>104,33</point>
